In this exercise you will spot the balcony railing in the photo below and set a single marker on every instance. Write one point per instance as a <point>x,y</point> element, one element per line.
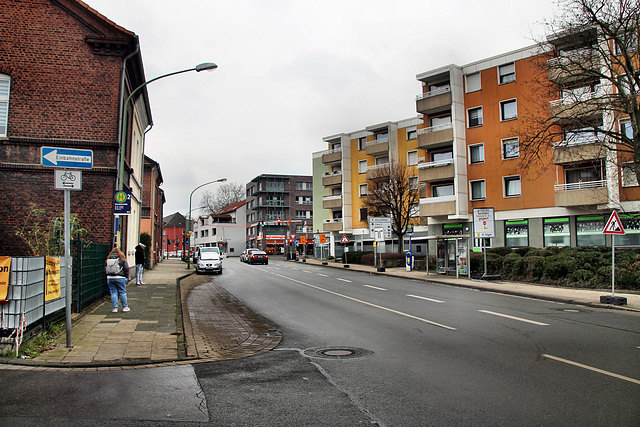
<point>578,97</point>
<point>333,221</point>
<point>436,128</point>
<point>579,140</point>
<point>435,164</point>
<point>584,185</point>
<point>434,92</point>
<point>376,167</point>
<point>327,198</point>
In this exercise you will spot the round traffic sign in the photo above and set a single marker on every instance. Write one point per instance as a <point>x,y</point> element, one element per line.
<point>121,197</point>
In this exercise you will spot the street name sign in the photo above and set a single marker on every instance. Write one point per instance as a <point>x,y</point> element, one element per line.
<point>68,180</point>
<point>66,158</point>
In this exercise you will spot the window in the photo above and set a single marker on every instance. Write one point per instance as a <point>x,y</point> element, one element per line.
<point>382,160</point>
<point>441,122</point>
<point>362,143</point>
<point>510,148</point>
<point>508,110</point>
<point>478,190</point>
<point>362,190</point>
<point>516,233</point>
<point>626,129</point>
<point>382,137</point>
<point>589,231</point>
<point>629,177</point>
<point>556,232</point>
<point>627,43</point>
<point>362,166</point>
<point>412,132</point>
<point>583,174</point>
<point>412,158</point>
<point>414,184</point>
<point>473,82</point>
<point>631,225</point>
<point>507,73</point>
<point>301,200</point>
<point>5,82</point>
<point>304,186</point>
<point>512,186</point>
<point>475,116</point>
<point>476,153</point>
<point>439,156</point>
<point>441,190</point>
<point>303,214</point>
<point>363,214</point>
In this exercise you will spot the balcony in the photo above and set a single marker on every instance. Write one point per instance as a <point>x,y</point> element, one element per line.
<point>331,202</point>
<point>332,225</point>
<point>332,179</point>
<point>581,193</point>
<point>435,136</point>
<point>332,156</point>
<point>378,147</point>
<point>436,171</point>
<point>576,107</point>
<point>378,171</point>
<point>573,66</point>
<point>578,150</point>
<point>437,206</point>
<point>435,101</point>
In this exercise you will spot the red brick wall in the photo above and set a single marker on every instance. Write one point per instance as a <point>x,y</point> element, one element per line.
<point>62,95</point>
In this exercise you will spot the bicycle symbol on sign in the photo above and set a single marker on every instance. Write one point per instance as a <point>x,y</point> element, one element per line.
<point>68,176</point>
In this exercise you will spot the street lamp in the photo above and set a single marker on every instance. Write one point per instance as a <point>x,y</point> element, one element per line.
<point>206,66</point>
<point>188,227</point>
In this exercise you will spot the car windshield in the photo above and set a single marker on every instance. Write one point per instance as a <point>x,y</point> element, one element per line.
<point>212,249</point>
<point>210,255</point>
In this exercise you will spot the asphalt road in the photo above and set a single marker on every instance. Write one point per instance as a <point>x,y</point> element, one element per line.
<point>363,349</point>
<point>440,355</point>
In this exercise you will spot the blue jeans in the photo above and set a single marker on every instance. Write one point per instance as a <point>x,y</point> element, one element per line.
<point>139,270</point>
<point>117,287</point>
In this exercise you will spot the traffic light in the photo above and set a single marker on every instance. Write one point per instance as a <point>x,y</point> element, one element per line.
<point>290,241</point>
<point>278,221</point>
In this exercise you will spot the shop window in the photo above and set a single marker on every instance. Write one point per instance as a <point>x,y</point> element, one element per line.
<point>631,225</point>
<point>589,230</point>
<point>516,233</point>
<point>557,232</point>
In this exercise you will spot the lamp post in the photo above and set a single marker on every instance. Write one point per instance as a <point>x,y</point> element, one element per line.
<point>206,66</point>
<point>188,225</point>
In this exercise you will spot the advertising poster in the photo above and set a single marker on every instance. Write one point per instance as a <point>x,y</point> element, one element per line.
<point>52,279</point>
<point>5,266</point>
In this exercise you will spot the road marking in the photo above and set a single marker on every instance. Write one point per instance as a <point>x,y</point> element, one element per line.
<point>344,280</point>
<point>390,310</point>
<point>323,275</point>
<point>533,322</point>
<point>375,287</point>
<point>425,298</point>
<point>591,368</point>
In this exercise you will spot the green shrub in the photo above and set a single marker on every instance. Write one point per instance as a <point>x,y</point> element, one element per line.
<point>533,268</point>
<point>523,251</point>
<point>355,257</point>
<point>500,250</point>
<point>512,266</point>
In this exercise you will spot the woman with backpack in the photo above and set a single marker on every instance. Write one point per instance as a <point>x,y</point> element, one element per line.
<point>117,270</point>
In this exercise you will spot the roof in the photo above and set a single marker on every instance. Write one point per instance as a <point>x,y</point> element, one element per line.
<point>231,208</point>
<point>175,220</point>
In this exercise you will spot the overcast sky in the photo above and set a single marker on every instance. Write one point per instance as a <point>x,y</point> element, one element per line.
<point>291,72</point>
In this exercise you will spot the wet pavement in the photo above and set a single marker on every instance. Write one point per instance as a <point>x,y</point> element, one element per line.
<point>179,318</point>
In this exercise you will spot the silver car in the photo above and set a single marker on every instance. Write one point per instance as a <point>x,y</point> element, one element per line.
<point>208,261</point>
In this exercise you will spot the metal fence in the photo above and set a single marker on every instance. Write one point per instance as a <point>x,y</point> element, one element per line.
<point>90,282</point>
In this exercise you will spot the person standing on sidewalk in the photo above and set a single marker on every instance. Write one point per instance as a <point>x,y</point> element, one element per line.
<point>117,269</point>
<point>139,263</point>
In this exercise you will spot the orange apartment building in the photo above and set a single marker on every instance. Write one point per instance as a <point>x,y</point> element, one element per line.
<point>464,148</point>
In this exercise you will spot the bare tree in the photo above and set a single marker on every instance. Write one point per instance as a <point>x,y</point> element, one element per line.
<point>391,193</point>
<point>226,195</point>
<point>588,86</point>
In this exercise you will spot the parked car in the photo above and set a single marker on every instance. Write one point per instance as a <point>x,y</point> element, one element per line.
<point>208,261</point>
<point>258,257</point>
<point>244,256</point>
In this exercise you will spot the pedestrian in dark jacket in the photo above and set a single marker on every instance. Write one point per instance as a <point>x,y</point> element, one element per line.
<point>139,263</point>
<point>117,281</point>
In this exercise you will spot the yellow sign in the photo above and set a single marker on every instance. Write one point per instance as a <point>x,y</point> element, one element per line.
<point>5,266</point>
<point>52,279</point>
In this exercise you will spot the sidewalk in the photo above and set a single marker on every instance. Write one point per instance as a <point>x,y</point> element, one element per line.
<point>587,297</point>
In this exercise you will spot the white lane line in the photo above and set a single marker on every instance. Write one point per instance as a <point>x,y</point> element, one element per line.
<point>375,287</point>
<point>323,275</point>
<point>591,368</point>
<point>425,298</point>
<point>533,322</point>
<point>344,280</point>
<point>390,310</point>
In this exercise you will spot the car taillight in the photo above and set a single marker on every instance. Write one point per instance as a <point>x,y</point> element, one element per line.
<point>254,256</point>
<point>266,256</point>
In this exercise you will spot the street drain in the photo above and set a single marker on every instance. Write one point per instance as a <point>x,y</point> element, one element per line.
<point>337,353</point>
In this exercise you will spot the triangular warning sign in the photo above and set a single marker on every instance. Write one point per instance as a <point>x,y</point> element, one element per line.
<point>344,239</point>
<point>614,225</point>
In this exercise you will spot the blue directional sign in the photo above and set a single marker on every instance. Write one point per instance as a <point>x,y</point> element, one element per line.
<point>66,158</point>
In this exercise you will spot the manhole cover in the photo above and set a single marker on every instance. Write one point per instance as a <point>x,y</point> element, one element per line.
<point>337,352</point>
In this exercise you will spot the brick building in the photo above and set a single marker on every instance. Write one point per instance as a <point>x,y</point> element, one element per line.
<point>63,69</point>
<point>279,210</point>
<point>173,240</point>
<point>153,199</point>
